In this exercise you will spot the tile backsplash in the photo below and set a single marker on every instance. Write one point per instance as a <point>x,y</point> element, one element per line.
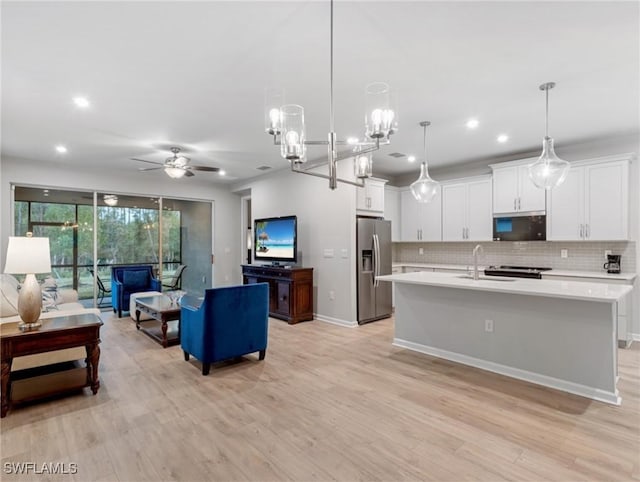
<point>582,256</point>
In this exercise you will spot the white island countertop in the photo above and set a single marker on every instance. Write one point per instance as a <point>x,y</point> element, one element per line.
<point>603,275</point>
<point>573,290</point>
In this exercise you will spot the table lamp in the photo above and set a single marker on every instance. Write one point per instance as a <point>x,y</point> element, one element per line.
<point>28,255</point>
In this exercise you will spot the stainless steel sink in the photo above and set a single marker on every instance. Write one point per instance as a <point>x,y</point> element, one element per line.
<point>486,278</point>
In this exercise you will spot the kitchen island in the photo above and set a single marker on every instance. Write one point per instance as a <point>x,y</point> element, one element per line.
<point>560,334</point>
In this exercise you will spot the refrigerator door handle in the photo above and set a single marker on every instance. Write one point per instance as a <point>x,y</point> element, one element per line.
<point>376,263</point>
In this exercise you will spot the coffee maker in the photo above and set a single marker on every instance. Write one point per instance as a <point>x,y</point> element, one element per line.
<point>613,263</point>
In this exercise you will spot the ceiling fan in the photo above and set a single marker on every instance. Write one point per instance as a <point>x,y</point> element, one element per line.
<point>176,166</point>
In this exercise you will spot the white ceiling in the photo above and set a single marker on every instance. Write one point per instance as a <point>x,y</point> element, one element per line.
<point>193,74</point>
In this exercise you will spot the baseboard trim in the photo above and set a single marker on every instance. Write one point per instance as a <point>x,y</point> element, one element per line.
<point>335,321</point>
<point>544,380</point>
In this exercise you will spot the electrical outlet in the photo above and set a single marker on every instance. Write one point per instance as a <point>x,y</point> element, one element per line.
<point>332,295</point>
<point>420,250</point>
<point>488,326</point>
<point>564,253</point>
<point>607,252</point>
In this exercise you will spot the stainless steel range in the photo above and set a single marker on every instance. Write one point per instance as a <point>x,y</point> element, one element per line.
<point>515,271</point>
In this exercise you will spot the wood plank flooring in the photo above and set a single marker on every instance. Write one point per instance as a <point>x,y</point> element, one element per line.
<point>328,403</point>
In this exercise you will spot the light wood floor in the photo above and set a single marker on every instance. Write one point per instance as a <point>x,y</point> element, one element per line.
<point>328,403</point>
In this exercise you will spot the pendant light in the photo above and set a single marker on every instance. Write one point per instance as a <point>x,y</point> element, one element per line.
<point>549,170</point>
<point>424,188</point>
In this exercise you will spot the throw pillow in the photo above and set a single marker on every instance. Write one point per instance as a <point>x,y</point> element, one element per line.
<point>135,280</point>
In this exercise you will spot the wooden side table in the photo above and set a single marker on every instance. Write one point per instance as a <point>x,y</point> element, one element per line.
<point>54,334</point>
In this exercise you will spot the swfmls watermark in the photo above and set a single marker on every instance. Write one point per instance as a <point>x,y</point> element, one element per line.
<point>40,468</point>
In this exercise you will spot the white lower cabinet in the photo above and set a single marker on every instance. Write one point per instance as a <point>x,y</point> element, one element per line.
<point>625,310</point>
<point>466,210</point>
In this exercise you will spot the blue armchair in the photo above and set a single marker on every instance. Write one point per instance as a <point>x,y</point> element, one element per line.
<point>130,279</point>
<point>230,322</point>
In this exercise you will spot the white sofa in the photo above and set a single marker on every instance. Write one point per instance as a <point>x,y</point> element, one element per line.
<point>67,305</point>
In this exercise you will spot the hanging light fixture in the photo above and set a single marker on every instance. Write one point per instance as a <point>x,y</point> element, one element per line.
<point>110,199</point>
<point>549,170</point>
<point>424,188</point>
<point>285,122</point>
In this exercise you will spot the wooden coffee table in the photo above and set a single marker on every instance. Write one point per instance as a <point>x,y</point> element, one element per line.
<point>160,308</point>
<point>54,334</point>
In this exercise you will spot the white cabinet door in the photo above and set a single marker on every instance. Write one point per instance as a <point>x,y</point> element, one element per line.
<point>565,217</point>
<point>454,211</point>
<point>505,189</point>
<point>606,201</point>
<point>431,218</point>
<point>392,211</point>
<point>479,218</point>
<point>362,199</point>
<point>530,197</point>
<point>514,192</point>
<point>376,195</point>
<point>409,219</point>
<point>370,198</point>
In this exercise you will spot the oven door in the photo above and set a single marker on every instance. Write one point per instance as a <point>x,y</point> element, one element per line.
<point>520,228</point>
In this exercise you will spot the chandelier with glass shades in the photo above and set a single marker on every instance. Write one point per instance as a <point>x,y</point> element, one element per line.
<point>424,188</point>
<point>285,122</point>
<point>549,170</point>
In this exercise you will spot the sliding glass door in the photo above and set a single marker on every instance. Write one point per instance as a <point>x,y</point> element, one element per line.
<point>129,230</point>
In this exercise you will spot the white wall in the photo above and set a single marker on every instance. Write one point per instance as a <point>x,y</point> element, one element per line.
<point>326,220</point>
<point>46,174</point>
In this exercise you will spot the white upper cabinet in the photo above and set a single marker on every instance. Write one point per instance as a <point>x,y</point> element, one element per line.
<point>592,203</point>
<point>466,210</point>
<point>370,198</point>
<point>420,221</point>
<point>513,191</point>
<point>392,210</point>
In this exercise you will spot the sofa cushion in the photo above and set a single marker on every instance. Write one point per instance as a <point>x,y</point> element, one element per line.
<point>135,280</point>
<point>8,295</point>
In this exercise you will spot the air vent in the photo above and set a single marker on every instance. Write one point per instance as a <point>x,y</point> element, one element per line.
<point>263,168</point>
<point>397,154</point>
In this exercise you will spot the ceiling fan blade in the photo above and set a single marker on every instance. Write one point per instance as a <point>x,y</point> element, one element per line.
<point>149,168</point>
<point>205,168</point>
<point>150,162</point>
<point>188,173</point>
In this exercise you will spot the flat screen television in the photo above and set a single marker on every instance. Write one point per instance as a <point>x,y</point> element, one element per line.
<point>275,239</point>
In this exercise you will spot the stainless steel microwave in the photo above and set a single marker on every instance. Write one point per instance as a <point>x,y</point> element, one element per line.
<point>520,228</point>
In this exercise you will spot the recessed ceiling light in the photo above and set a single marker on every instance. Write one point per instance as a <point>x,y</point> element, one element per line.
<point>61,149</point>
<point>411,158</point>
<point>222,172</point>
<point>502,138</point>
<point>472,123</point>
<point>81,102</point>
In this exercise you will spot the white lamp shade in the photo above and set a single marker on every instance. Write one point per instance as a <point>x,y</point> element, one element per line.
<point>28,255</point>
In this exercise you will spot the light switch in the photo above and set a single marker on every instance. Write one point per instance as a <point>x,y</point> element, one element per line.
<point>564,253</point>
<point>328,253</point>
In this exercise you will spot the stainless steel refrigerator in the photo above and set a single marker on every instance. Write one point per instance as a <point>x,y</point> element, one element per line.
<point>373,242</point>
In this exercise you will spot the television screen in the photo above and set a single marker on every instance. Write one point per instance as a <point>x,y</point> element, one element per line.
<point>275,239</point>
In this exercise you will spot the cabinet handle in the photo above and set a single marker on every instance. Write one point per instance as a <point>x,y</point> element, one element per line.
<point>420,234</point>
<point>587,231</point>
<point>582,231</point>
<point>467,233</point>
<point>514,203</point>
<point>519,205</point>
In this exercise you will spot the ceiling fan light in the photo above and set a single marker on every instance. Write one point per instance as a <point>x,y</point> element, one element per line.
<point>110,200</point>
<point>175,172</point>
<point>549,170</point>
